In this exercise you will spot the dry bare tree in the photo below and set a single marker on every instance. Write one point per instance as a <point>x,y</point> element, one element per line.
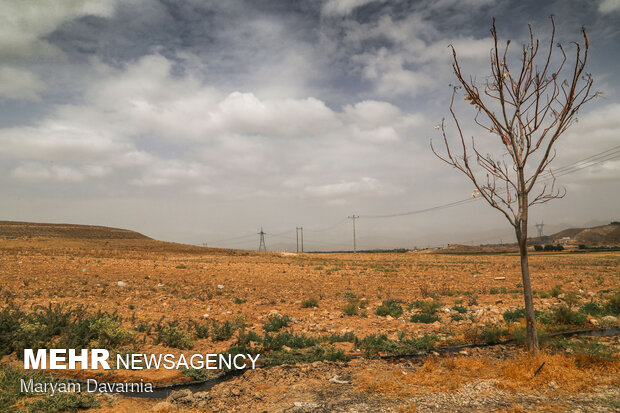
<point>524,110</point>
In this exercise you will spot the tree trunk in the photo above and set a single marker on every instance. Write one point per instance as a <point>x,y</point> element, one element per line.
<point>530,318</point>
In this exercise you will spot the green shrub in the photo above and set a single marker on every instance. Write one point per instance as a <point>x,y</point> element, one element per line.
<point>459,309</point>
<point>511,316</point>
<point>538,247</point>
<point>592,348</point>
<point>492,334</point>
<point>276,322</point>
<point>238,300</point>
<point>565,316</point>
<point>613,304</point>
<point>172,336</point>
<point>196,374</point>
<point>376,343</point>
<point>200,329</point>
<point>555,291</point>
<point>348,337</point>
<point>592,308</point>
<point>428,307</point>
<point>350,308</point>
<point>310,303</point>
<point>424,318</point>
<point>389,307</point>
<point>520,334</point>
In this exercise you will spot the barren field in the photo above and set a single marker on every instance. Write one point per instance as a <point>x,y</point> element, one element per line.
<point>342,318</point>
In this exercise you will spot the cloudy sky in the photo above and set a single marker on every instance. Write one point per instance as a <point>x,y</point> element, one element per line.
<point>201,121</point>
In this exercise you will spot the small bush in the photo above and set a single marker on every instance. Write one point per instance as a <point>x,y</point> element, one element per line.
<point>492,334</point>
<point>510,316</point>
<point>201,329</point>
<point>181,266</point>
<point>487,334</point>
<point>590,348</point>
<point>428,307</point>
<point>424,318</point>
<point>459,309</point>
<point>555,291</point>
<point>310,303</point>
<point>520,335</point>
<point>172,336</point>
<point>276,322</point>
<point>348,337</point>
<point>222,332</point>
<point>538,247</point>
<point>351,308</point>
<point>389,307</point>
<point>565,316</point>
<point>613,304</point>
<point>238,300</point>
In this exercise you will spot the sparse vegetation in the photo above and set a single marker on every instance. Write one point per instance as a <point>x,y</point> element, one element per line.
<point>276,322</point>
<point>389,307</point>
<point>310,302</point>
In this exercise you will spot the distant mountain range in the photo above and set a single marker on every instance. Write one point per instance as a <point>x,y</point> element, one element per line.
<point>603,235</point>
<point>12,229</point>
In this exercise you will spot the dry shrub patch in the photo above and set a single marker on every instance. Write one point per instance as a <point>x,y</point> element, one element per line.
<point>516,374</point>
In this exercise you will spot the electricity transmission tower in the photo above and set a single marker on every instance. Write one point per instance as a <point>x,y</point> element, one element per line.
<point>300,230</point>
<point>353,217</point>
<point>539,227</point>
<point>261,245</point>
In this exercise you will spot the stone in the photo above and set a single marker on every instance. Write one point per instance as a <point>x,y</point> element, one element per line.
<point>499,278</point>
<point>220,287</point>
<point>338,380</point>
<point>609,319</point>
<point>307,405</point>
<point>184,396</point>
<point>552,384</point>
<point>121,284</point>
<point>274,312</point>
<point>162,407</point>
<point>594,321</point>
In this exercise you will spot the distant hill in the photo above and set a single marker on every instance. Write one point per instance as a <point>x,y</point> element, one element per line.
<point>603,235</point>
<point>11,229</point>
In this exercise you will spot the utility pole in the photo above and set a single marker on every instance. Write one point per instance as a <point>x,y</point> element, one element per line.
<point>539,227</point>
<point>261,245</point>
<point>353,217</point>
<point>298,231</point>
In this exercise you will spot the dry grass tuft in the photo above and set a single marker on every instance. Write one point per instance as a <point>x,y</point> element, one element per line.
<point>561,373</point>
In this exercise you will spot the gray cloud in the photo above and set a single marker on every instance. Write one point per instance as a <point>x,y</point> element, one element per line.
<point>231,115</point>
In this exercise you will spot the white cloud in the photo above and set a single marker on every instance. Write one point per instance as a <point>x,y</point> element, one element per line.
<point>23,23</point>
<point>38,172</point>
<point>362,186</point>
<point>172,172</point>
<point>343,7</point>
<point>609,6</point>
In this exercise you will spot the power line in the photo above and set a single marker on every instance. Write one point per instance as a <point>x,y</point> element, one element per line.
<point>590,161</point>
<point>545,177</point>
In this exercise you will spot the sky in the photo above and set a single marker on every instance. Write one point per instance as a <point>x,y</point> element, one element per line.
<point>204,121</point>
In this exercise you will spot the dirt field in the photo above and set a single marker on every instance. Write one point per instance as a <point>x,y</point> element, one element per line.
<point>143,281</point>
